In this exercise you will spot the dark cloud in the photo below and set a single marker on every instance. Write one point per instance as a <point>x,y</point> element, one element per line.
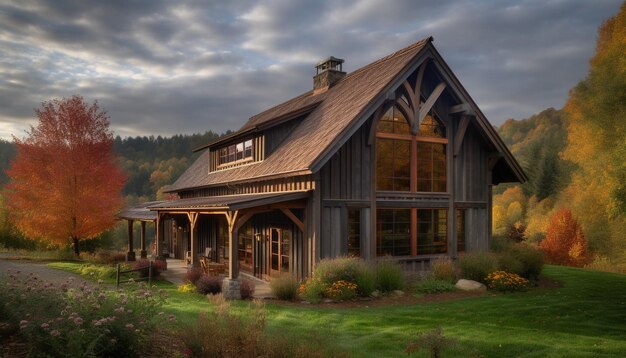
<point>168,67</point>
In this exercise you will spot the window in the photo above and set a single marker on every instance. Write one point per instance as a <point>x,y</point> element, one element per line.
<point>395,146</point>
<point>431,167</point>
<point>236,152</point>
<point>405,232</point>
<point>354,233</point>
<point>393,232</point>
<point>394,172</point>
<point>432,232</point>
<point>460,230</point>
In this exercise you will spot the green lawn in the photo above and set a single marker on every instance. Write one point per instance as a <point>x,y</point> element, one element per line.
<point>586,317</point>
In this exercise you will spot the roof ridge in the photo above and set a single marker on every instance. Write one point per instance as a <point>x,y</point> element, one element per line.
<point>358,70</point>
<point>412,46</point>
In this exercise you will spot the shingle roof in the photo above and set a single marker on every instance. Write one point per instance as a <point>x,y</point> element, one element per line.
<point>140,212</point>
<point>339,107</point>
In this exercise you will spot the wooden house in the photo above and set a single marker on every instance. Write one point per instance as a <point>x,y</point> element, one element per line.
<point>393,160</point>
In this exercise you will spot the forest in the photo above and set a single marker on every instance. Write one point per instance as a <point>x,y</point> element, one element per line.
<point>574,159</point>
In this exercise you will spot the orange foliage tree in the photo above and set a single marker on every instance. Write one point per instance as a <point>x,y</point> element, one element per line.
<point>565,242</point>
<point>65,185</point>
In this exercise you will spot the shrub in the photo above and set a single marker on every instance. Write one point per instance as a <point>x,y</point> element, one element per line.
<point>158,266</point>
<point>246,289</point>
<point>366,281</point>
<point>341,290</point>
<point>565,242</point>
<point>434,285</point>
<point>508,261</point>
<point>144,265</point>
<point>312,290</point>
<point>87,321</point>
<point>347,269</point>
<point>476,266</point>
<point>501,244</point>
<point>209,285</point>
<point>531,259</point>
<point>389,276</point>
<point>444,270</point>
<point>118,257</point>
<point>193,275</point>
<point>98,272</point>
<point>186,288</point>
<point>285,287</point>
<point>331,271</point>
<point>504,281</point>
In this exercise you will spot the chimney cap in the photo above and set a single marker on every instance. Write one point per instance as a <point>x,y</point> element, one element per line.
<point>329,64</point>
<point>330,59</point>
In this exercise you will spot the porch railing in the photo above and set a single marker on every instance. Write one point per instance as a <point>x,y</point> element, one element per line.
<point>120,272</point>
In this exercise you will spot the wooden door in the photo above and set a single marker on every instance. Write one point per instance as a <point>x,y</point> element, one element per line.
<point>280,259</point>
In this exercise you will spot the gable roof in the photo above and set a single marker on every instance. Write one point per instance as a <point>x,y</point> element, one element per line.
<point>331,121</point>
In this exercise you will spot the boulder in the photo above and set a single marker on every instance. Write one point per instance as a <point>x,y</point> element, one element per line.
<point>397,293</point>
<point>469,285</point>
<point>375,294</point>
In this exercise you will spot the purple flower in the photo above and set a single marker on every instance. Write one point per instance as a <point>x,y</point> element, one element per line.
<point>130,326</point>
<point>55,333</point>
<point>45,325</point>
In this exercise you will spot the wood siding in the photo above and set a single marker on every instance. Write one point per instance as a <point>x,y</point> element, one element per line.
<point>302,182</point>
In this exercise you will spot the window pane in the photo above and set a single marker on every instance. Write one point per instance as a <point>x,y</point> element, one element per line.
<point>239,148</point>
<point>393,168</point>
<point>400,124</point>
<point>385,124</point>
<point>432,127</point>
<point>393,234</point>
<point>248,149</point>
<point>384,164</point>
<point>431,231</point>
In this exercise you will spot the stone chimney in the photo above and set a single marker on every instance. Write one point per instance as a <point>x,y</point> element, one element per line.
<point>328,72</point>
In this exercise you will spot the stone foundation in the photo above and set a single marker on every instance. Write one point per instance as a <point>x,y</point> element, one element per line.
<point>230,289</point>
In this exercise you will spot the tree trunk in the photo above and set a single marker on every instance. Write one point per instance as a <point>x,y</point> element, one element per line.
<point>76,250</point>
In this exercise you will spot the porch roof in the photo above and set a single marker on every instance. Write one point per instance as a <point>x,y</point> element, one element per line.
<point>140,212</point>
<point>229,202</point>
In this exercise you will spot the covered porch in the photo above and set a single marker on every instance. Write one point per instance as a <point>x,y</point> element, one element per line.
<point>261,235</point>
<point>139,213</point>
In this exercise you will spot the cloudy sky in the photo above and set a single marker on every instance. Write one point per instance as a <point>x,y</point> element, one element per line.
<point>187,66</point>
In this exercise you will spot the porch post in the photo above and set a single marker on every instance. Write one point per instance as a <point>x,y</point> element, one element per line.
<point>230,286</point>
<point>143,253</point>
<point>233,251</point>
<point>130,255</point>
<point>158,232</point>
<point>193,219</point>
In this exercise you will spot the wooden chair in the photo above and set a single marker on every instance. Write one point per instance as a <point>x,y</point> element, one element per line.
<point>204,265</point>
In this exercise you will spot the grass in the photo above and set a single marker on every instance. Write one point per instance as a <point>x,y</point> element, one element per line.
<point>586,317</point>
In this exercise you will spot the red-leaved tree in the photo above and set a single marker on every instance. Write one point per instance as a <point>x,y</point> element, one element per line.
<point>65,185</point>
<point>565,242</point>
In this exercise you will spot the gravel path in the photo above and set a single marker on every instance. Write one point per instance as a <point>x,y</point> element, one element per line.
<point>39,269</point>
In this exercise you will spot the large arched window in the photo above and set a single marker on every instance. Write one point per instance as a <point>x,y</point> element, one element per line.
<point>407,162</point>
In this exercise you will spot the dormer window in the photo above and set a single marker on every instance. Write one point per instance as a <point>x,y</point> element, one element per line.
<point>236,152</point>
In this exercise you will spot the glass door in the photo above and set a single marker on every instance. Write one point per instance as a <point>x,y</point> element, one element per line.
<point>279,251</point>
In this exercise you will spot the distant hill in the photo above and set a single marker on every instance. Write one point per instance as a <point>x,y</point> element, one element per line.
<point>536,143</point>
<point>150,162</point>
